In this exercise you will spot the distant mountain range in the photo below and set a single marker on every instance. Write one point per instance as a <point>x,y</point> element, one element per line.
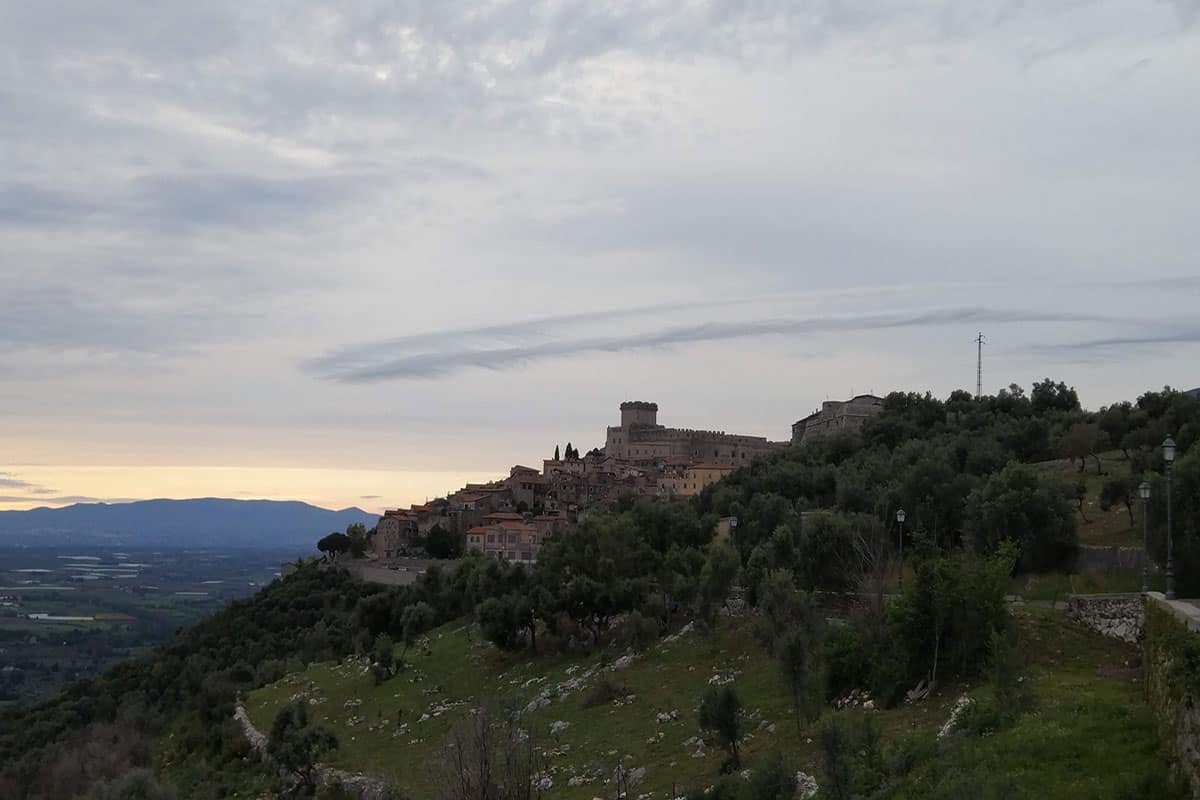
<point>204,522</point>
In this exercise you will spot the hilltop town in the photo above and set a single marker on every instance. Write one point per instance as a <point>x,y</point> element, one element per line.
<point>509,518</point>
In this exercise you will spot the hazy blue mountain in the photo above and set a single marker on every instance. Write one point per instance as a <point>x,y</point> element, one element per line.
<point>178,523</point>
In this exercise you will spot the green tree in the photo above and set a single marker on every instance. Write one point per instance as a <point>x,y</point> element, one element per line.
<point>334,545</point>
<point>442,543</point>
<point>296,744</point>
<point>383,661</point>
<point>1019,504</point>
<point>501,623</point>
<point>798,653</point>
<point>138,784</point>
<point>721,715</point>
<point>356,534</point>
<point>717,576</point>
<point>1080,492</point>
<point>415,621</point>
<point>836,742</point>
<point>1050,396</point>
<point>1119,491</point>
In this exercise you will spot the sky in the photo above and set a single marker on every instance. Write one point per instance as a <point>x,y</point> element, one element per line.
<point>362,253</point>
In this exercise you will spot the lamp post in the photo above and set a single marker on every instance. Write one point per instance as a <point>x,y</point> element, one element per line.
<point>1168,448</point>
<point>1144,493</point>
<point>900,515</point>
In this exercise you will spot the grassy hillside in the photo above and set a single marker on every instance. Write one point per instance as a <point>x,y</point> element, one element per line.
<point>1111,527</point>
<point>1090,729</point>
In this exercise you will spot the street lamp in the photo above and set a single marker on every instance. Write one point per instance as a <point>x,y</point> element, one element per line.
<point>900,515</point>
<point>1144,493</point>
<point>1168,448</point>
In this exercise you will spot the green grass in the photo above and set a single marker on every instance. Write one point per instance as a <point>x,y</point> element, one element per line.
<point>1106,528</point>
<point>1090,727</point>
<point>1089,736</point>
<point>1057,586</point>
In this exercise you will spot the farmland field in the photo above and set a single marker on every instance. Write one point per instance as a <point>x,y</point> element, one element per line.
<point>68,614</point>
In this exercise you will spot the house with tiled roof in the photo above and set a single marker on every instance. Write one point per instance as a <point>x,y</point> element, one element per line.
<point>507,540</point>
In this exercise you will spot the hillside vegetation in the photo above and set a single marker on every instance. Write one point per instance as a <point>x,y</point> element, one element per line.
<point>1088,733</point>
<point>816,538</point>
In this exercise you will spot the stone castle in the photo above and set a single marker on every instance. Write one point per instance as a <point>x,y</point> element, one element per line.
<point>640,439</point>
<point>837,415</point>
<point>510,518</point>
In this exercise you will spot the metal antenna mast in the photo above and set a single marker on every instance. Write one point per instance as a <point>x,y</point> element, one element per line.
<point>980,341</point>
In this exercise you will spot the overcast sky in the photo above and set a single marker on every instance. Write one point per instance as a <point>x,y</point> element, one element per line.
<point>359,253</point>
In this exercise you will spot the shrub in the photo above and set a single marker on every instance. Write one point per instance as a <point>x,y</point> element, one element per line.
<point>847,659</point>
<point>909,751</point>
<point>1007,664</point>
<point>721,714</point>
<point>638,631</point>
<point>837,754</point>
<point>981,717</point>
<point>382,659</point>
<point>602,692</point>
<point>771,780</point>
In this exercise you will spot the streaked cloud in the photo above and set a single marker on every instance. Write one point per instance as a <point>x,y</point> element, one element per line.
<point>443,361</point>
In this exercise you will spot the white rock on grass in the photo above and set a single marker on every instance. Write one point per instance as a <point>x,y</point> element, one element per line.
<point>806,786</point>
<point>625,661</point>
<point>960,706</point>
<point>558,727</point>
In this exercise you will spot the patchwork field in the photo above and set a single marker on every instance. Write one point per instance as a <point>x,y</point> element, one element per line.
<point>68,614</point>
<point>1088,690</point>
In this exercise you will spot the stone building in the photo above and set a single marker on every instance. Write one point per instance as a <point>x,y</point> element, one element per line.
<point>395,534</point>
<point>639,438</point>
<point>508,540</point>
<point>692,480</point>
<point>835,415</point>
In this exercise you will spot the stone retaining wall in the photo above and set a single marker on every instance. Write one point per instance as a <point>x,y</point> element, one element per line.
<point>1117,616</point>
<point>1171,652</point>
<point>1093,559</point>
<point>359,786</point>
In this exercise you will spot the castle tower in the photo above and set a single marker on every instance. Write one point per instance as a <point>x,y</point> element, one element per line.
<point>638,412</point>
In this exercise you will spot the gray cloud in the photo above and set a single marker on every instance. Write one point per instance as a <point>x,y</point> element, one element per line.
<point>181,201</point>
<point>363,355</point>
<point>10,481</point>
<point>67,499</point>
<point>1115,343</point>
<point>66,318</point>
<point>27,204</point>
<point>445,361</point>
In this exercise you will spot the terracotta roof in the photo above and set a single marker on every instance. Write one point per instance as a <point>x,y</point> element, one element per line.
<point>522,468</point>
<point>504,515</point>
<point>480,529</point>
<point>520,527</point>
<point>471,498</point>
